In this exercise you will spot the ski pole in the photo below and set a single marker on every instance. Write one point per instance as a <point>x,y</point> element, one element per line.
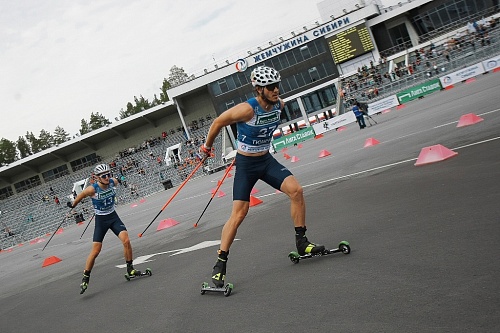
<point>60,224</point>
<point>87,225</point>
<point>175,193</point>
<point>213,194</point>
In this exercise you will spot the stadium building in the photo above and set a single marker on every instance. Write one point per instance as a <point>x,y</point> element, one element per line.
<point>354,41</point>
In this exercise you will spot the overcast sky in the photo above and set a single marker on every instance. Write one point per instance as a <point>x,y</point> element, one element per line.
<point>61,60</point>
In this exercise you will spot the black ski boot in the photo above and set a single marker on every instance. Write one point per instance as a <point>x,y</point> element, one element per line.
<point>219,272</point>
<point>85,282</point>
<point>303,245</point>
<point>131,271</point>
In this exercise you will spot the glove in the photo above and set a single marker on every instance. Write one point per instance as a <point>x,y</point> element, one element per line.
<point>206,151</point>
<point>70,205</point>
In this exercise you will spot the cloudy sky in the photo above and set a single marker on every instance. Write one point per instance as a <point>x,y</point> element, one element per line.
<point>61,60</point>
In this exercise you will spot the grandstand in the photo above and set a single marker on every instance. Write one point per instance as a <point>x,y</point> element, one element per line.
<point>136,147</point>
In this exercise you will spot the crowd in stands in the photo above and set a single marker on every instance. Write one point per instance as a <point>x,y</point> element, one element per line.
<point>142,171</point>
<point>429,60</point>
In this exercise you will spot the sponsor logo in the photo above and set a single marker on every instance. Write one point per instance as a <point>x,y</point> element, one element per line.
<point>267,118</point>
<point>241,65</point>
<point>447,80</point>
<point>491,64</point>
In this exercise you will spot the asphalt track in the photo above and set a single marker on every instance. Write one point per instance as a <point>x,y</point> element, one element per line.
<point>424,240</point>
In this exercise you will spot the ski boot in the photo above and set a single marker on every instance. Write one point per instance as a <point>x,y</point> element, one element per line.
<point>219,271</point>
<point>303,245</point>
<point>133,273</point>
<point>85,283</point>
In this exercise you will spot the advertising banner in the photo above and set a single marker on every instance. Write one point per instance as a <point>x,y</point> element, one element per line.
<point>419,91</point>
<point>334,123</point>
<point>291,139</point>
<point>491,63</point>
<point>383,104</point>
<point>462,75</point>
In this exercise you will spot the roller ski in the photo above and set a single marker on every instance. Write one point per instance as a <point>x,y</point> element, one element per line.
<point>218,277</point>
<point>343,247</point>
<point>132,274</point>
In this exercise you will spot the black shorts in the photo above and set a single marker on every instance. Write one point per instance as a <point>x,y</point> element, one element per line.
<point>249,169</point>
<point>105,222</point>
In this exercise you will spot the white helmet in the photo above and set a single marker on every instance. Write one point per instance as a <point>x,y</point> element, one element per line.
<point>263,75</point>
<point>101,168</point>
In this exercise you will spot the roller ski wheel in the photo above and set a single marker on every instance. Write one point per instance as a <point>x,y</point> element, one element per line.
<point>147,272</point>
<point>225,290</point>
<point>343,247</point>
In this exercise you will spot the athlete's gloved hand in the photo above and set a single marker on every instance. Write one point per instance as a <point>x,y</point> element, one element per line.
<point>206,151</point>
<point>70,205</point>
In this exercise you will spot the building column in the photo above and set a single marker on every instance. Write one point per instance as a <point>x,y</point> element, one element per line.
<point>303,111</point>
<point>179,111</point>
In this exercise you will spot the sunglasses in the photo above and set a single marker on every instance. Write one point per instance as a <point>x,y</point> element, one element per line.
<point>107,175</point>
<point>273,86</point>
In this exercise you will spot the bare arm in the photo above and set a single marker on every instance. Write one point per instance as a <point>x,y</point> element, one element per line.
<point>87,192</point>
<point>240,112</point>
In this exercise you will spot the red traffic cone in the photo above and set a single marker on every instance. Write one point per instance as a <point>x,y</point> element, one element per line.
<point>254,201</point>
<point>286,156</point>
<point>469,119</point>
<point>324,153</point>
<point>294,159</point>
<point>50,261</point>
<point>254,190</point>
<point>434,154</point>
<point>341,128</point>
<point>299,146</point>
<point>221,194</point>
<point>166,224</point>
<point>319,136</point>
<point>371,142</point>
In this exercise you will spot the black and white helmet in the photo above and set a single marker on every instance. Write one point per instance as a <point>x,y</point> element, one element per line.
<point>101,168</point>
<point>263,75</point>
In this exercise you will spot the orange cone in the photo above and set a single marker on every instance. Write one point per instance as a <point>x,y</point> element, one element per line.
<point>50,261</point>
<point>294,159</point>
<point>221,194</point>
<point>166,224</point>
<point>229,175</point>
<point>278,192</point>
<point>371,142</point>
<point>286,156</point>
<point>386,111</point>
<point>254,190</point>
<point>59,231</point>
<point>299,146</point>
<point>470,80</point>
<point>324,153</point>
<point>319,136</point>
<point>434,154</point>
<point>341,128</point>
<point>254,201</point>
<point>469,119</point>
<point>449,87</point>
<point>401,106</point>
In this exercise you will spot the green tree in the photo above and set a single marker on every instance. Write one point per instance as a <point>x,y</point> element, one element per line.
<point>33,142</point>
<point>178,76</point>
<point>60,135</point>
<point>97,121</point>
<point>163,95</point>
<point>23,147</point>
<point>8,152</point>
<point>45,139</point>
<point>84,127</point>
